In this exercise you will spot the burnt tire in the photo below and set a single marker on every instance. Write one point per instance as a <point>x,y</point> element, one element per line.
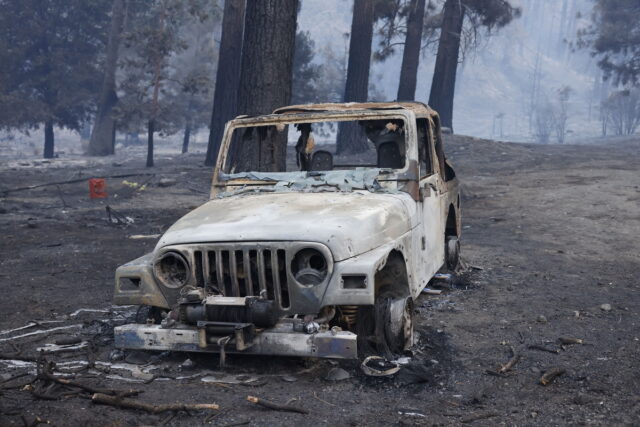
<point>385,328</point>
<point>398,327</point>
<point>452,252</point>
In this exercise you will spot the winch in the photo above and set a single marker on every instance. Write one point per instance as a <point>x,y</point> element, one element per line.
<point>196,307</point>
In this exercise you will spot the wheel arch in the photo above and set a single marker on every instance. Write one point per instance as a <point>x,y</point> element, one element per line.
<point>452,225</point>
<point>392,278</point>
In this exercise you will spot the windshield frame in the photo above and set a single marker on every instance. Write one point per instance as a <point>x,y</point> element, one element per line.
<point>408,173</point>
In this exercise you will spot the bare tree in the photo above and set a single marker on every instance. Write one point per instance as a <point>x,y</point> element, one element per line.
<point>621,110</point>
<point>561,113</point>
<point>544,122</point>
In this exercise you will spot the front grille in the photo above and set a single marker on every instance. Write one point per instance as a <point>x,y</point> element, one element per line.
<point>243,272</point>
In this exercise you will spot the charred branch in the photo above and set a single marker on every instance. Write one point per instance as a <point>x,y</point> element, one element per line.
<point>121,402</point>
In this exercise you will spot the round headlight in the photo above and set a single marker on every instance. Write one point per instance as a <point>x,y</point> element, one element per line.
<point>172,270</point>
<point>309,267</point>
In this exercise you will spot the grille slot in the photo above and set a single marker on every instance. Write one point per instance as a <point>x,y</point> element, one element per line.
<point>244,272</point>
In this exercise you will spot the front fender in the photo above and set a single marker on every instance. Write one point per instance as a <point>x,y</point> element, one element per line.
<point>135,284</point>
<point>366,264</point>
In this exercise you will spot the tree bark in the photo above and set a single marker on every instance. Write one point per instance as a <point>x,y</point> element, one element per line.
<point>101,142</point>
<point>411,53</point>
<point>156,90</point>
<point>187,135</point>
<point>225,103</point>
<point>444,76</point>
<point>350,138</point>
<point>265,79</point>
<point>48,139</point>
<point>150,130</point>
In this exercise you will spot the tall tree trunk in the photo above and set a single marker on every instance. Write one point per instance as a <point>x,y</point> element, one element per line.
<point>187,135</point>
<point>48,139</point>
<point>151,125</point>
<point>101,143</point>
<point>225,101</point>
<point>350,138</point>
<point>265,79</point>
<point>411,53</point>
<point>156,91</point>
<point>444,76</point>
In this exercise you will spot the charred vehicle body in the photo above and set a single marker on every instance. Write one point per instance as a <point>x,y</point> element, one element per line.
<point>303,248</point>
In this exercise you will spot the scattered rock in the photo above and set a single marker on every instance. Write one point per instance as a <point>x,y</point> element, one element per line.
<point>411,412</point>
<point>116,355</point>
<point>542,319</point>
<point>403,360</point>
<point>337,374</point>
<point>166,182</point>
<point>187,365</point>
<point>605,307</point>
<point>116,164</point>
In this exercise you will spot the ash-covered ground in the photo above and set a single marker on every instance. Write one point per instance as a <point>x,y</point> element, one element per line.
<point>550,249</point>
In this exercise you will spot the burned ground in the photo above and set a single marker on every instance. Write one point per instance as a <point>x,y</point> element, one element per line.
<point>550,245</point>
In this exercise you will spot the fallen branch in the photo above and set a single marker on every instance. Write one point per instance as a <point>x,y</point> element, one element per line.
<point>38,394</point>
<point>44,374</point>
<point>274,406</point>
<point>569,341</point>
<point>17,356</point>
<point>24,374</point>
<point>543,348</point>
<point>550,375</point>
<point>507,366</point>
<point>121,402</point>
<point>495,373</point>
<point>70,181</point>
<point>322,400</point>
<point>68,341</point>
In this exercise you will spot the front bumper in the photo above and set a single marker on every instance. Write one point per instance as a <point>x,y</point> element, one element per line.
<point>281,340</point>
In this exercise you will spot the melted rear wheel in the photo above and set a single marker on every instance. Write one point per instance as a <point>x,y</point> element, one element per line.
<point>452,252</point>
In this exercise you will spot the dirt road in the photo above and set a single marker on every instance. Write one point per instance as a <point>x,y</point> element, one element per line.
<point>550,242</point>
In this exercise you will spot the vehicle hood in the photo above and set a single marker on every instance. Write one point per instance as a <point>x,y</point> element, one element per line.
<point>348,223</point>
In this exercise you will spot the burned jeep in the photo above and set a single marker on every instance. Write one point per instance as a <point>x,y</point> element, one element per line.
<point>325,222</point>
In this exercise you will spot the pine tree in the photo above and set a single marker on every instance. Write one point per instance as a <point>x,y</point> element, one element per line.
<point>49,63</point>
<point>350,139</point>
<point>103,134</point>
<point>488,14</point>
<point>266,75</point>
<point>227,75</point>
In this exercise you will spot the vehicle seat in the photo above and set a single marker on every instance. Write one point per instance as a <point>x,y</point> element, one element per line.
<point>389,156</point>
<point>321,161</point>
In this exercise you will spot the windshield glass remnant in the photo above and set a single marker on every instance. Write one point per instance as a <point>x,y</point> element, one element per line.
<point>337,180</point>
<point>319,146</point>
